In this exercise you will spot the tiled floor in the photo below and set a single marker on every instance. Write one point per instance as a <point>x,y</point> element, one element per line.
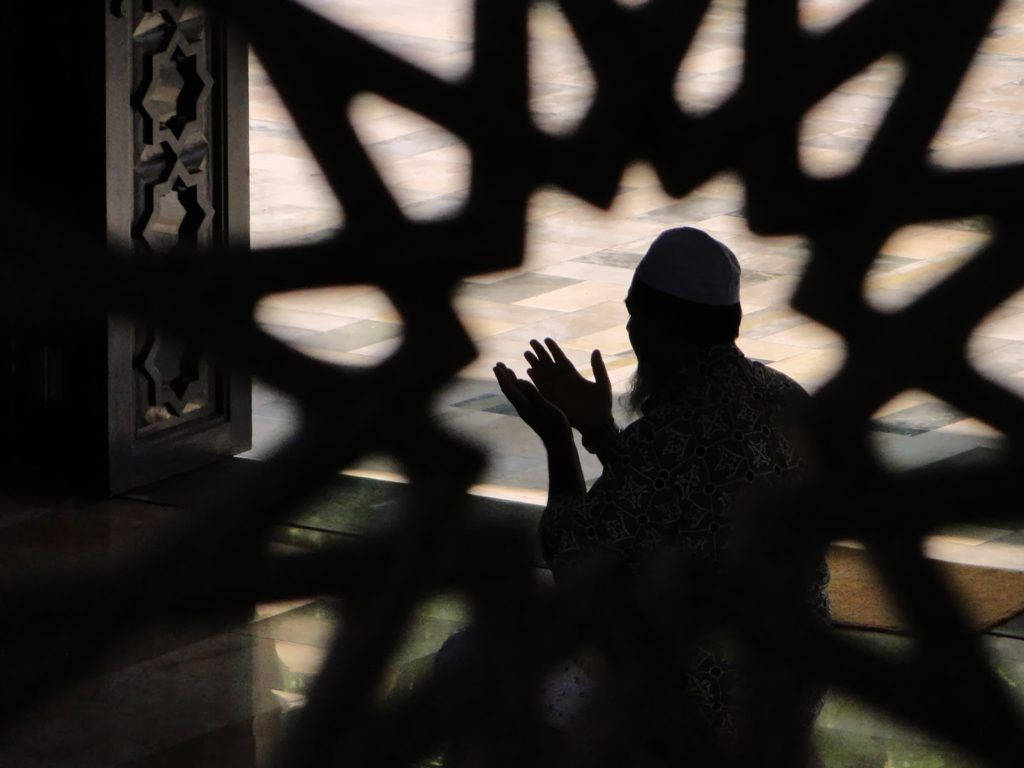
<point>217,692</point>
<point>222,700</point>
<point>579,259</point>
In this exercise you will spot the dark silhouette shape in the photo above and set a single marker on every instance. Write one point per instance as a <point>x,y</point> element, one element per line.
<point>712,425</point>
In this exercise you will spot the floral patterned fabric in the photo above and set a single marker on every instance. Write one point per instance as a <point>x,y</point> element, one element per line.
<point>670,480</point>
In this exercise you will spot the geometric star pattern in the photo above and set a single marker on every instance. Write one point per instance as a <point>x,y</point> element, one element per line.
<point>171,100</point>
<point>180,394</point>
<point>176,212</point>
<point>945,686</point>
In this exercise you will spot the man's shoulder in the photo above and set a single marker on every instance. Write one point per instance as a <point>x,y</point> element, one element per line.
<point>775,382</point>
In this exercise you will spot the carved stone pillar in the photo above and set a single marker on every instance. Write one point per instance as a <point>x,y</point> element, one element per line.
<point>177,99</point>
<point>151,99</point>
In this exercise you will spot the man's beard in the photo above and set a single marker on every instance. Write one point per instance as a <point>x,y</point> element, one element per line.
<point>645,382</point>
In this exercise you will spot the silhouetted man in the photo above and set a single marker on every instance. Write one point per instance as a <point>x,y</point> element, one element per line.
<point>710,426</point>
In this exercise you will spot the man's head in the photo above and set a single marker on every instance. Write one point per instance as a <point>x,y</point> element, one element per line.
<point>684,298</point>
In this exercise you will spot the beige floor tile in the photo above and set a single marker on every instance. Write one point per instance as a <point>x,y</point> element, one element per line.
<point>824,162</point>
<point>569,325</point>
<point>574,297</point>
<point>771,263</point>
<point>486,278</point>
<point>763,349</point>
<point>614,310</point>
<point>992,554</point>
<point>482,327</point>
<point>1004,326</point>
<point>752,322</point>
<point>968,535</point>
<point>540,253</point>
<point>493,310</point>
<point>726,224</point>
<point>360,301</point>
<point>1011,44</point>
<point>548,200</point>
<point>293,318</point>
<point>917,273</point>
<point>309,214</point>
<point>813,368</point>
<point>980,344</point>
<point>379,350</point>
<point>768,293</point>
<point>596,272</point>
<point>921,241</point>
<point>456,154</point>
<point>612,341</point>
<point>638,175</point>
<point>725,184</point>
<point>437,176</point>
<point>597,231</point>
<point>902,401</point>
<point>978,152</point>
<point>890,300</point>
<point>378,119</point>
<point>805,335</point>
<point>638,246</point>
<point>635,202</point>
<point>335,356</point>
<point>536,495</point>
<point>971,427</point>
<point>819,15</point>
<point>712,61</point>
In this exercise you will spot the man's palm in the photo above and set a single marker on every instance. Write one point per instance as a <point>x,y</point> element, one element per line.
<point>587,404</point>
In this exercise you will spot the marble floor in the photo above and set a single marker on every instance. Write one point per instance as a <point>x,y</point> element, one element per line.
<point>220,697</point>
<point>205,692</point>
<point>579,259</point>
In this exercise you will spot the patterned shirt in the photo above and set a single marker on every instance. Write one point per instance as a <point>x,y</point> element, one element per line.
<point>670,479</point>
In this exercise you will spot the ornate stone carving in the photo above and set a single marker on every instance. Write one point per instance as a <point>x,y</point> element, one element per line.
<point>173,196</point>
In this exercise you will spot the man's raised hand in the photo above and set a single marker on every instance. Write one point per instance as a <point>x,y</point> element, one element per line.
<point>545,418</point>
<point>587,404</point>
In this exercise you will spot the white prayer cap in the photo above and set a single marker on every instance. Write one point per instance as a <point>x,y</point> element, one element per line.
<point>690,264</point>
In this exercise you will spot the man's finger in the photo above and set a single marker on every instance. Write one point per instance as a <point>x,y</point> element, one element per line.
<point>502,374</point>
<point>509,386</point>
<point>558,354</point>
<point>542,354</point>
<point>530,393</point>
<point>600,372</point>
<point>531,359</point>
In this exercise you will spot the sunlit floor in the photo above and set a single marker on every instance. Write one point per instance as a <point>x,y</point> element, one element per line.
<point>579,259</point>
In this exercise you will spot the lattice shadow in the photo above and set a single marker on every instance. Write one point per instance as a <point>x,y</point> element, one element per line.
<point>947,688</point>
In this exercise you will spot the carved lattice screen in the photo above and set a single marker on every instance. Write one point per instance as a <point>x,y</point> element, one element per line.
<point>946,688</point>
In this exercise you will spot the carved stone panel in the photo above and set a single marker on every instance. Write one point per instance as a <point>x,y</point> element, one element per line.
<point>177,193</point>
<point>172,97</point>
